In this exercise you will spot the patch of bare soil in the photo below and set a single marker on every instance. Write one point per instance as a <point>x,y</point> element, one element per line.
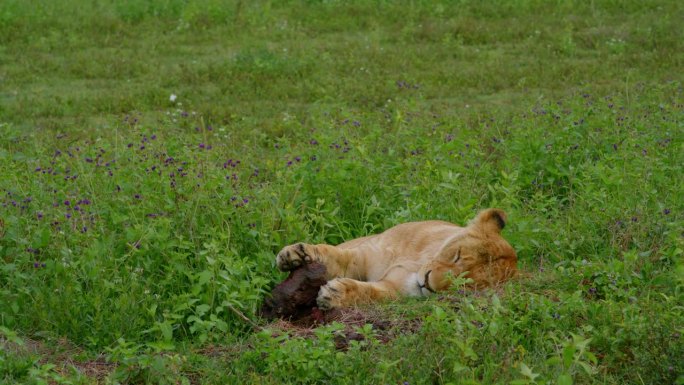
<point>62,356</point>
<point>292,308</point>
<point>385,329</point>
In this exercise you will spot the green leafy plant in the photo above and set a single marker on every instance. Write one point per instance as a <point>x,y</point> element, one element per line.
<point>157,155</point>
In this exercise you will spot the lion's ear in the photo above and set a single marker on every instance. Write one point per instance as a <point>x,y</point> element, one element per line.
<point>490,220</point>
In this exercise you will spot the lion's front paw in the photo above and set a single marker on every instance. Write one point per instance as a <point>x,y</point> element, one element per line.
<point>335,294</point>
<point>293,256</point>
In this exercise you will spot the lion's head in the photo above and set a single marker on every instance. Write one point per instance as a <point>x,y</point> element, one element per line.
<point>479,251</point>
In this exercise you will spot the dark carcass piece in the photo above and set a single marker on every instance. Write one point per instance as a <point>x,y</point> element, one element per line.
<point>295,297</point>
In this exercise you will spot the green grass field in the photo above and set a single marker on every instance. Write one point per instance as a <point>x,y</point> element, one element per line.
<point>156,155</point>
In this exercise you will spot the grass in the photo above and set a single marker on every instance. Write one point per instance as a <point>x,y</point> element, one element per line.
<point>136,230</point>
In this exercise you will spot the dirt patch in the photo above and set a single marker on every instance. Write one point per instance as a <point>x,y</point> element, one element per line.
<point>96,369</point>
<point>61,355</point>
<point>384,328</point>
<point>292,309</point>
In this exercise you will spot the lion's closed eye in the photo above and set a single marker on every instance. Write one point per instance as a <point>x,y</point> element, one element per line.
<point>458,255</point>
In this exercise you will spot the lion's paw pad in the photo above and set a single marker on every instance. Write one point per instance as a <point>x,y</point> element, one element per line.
<point>293,256</point>
<point>332,295</point>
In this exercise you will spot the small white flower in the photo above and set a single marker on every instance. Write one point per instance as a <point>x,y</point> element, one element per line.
<point>173,97</point>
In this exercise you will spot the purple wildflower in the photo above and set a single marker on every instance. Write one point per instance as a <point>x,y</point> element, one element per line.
<point>666,212</point>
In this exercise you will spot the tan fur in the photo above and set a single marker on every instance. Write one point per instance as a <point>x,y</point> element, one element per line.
<point>400,260</point>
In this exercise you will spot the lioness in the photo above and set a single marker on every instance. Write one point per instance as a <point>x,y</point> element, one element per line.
<point>412,259</point>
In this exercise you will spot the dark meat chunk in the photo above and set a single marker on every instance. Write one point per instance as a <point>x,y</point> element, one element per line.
<point>295,297</point>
